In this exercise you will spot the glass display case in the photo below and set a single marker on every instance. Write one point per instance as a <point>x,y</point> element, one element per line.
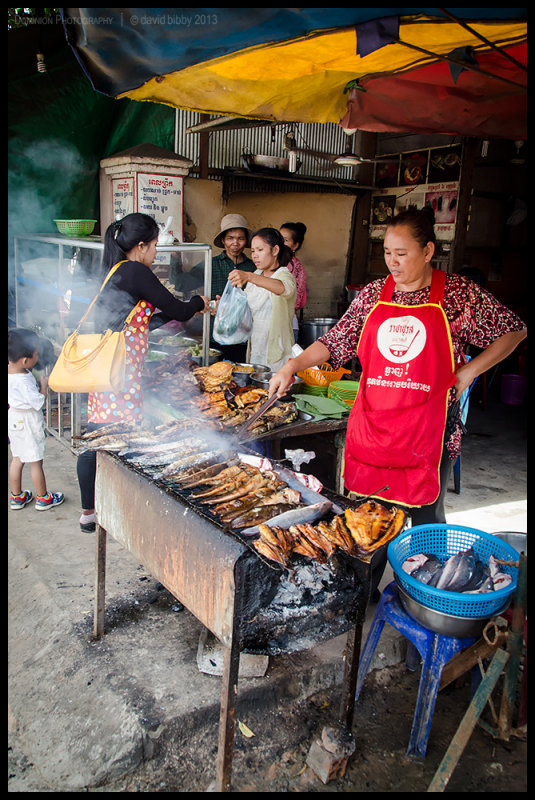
<point>56,277</point>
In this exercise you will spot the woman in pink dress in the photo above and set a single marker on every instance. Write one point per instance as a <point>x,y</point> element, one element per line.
<point>293,234</point>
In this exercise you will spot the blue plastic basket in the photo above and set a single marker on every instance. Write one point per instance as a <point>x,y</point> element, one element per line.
<point>444,541</point>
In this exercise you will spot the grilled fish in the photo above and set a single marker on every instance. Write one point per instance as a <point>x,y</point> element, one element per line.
<point>315,537</point>
<point>267,496</point>
<point>189,461</point>
<point>304,547</point>
<point>196,477</point>
<point>226,482</point>
<point>256,482</point>
<point>259,514</point>
<point>371,525</point>
<point>269,551</point>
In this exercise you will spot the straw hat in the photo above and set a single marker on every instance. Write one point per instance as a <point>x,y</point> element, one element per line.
<point>230,221</point>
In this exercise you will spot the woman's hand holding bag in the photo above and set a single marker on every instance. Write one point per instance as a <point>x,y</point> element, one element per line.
<point>233,321</point>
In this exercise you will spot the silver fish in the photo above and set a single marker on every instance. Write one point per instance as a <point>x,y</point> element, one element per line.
<point>183,463</point>
<point>295,516</point>
<point>457,572</point>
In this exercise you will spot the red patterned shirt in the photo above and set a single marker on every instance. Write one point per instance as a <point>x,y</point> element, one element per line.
<point>298,271</point>
<point>474,315</point>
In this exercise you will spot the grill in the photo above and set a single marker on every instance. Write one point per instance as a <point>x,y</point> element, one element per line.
<point>242,599</point>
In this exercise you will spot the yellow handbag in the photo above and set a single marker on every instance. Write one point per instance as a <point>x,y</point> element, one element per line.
<point>92,362</point>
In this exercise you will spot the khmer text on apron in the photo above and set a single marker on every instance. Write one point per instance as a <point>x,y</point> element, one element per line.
<point>395,430</point>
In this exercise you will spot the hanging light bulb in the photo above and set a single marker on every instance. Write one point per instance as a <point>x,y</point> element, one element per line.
<point>517,159</point>
<point>41,66</point>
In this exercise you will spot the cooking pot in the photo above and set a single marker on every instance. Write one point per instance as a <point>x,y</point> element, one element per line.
<point>312,329</point>
<point>261,163</point>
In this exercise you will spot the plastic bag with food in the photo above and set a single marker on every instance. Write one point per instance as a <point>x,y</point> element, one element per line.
<point>233,321</point>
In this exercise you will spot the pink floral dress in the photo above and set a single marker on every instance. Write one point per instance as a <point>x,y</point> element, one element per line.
<point>106,407</point>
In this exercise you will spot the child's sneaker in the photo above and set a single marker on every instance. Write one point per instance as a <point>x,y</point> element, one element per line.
<point>20,500</point>
<point>49,500</point>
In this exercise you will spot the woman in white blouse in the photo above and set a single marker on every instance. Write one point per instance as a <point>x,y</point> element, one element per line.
<point>271,293</point>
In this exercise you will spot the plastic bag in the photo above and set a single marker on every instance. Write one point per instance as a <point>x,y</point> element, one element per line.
<point>233,321</point>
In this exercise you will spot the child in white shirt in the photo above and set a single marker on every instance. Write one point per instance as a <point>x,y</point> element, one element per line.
<point>26,428</point>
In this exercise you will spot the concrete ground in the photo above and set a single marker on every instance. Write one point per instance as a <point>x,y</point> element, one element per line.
<point>83,712</point>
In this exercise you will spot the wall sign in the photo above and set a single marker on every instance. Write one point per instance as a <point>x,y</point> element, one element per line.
<point>162,196</point>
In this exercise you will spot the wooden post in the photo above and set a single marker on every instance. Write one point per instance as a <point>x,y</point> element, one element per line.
<point>468,722</point>
<point>100,583</point>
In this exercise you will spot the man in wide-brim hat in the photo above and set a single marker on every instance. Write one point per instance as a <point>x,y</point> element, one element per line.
<point>233,237</point>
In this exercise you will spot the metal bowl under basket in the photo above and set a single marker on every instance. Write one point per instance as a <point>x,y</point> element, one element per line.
<point>445,624</point>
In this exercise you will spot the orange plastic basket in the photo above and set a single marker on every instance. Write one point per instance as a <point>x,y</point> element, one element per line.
<point>322,376</point>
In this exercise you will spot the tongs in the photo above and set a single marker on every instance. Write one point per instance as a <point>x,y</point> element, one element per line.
<point>242,430</point>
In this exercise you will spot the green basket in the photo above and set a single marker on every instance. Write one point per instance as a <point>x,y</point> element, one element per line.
<point>75,227</point>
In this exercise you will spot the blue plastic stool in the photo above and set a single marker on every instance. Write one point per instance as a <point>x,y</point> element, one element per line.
<point>435,650</point>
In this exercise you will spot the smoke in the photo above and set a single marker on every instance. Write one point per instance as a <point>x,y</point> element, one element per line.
<point>43,176</point>
<point>47,180</point>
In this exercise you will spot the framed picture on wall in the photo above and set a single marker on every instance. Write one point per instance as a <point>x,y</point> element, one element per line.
<point>413,168</point>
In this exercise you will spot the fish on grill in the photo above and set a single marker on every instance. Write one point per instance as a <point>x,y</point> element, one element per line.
<point>315,536</point>
<point>213,377</point>
<point>187,461</point>
<point>274,543</point>
<point>225,481</point>
<point>261,513</point>
<point>372,525</point>
<point>266,496</point>
<point>321,540</point>
<point>256,482</point>
<point>194,476</point>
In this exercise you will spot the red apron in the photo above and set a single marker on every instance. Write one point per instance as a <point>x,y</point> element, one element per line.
<point>396,428</point>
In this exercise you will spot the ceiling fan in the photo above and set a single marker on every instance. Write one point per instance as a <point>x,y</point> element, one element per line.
<point>345,159</point>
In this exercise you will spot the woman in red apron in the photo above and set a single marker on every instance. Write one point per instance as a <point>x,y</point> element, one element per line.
<point>410,331</point>
<point>128,300</point>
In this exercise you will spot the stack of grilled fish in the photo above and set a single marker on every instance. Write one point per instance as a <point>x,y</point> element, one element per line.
<point>359,532</point>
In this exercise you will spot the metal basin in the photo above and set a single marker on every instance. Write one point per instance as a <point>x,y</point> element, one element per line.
<point>262,379</point>
<point>312,329</point>
<point>243,377</point>
<point>517,540</point>
<point>445,624</point>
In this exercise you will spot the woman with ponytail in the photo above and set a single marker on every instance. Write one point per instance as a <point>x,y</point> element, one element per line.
<point>271,292</point>
<point>129,245</point>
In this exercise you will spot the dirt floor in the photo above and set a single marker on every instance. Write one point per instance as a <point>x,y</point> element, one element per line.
<point>274,758</point>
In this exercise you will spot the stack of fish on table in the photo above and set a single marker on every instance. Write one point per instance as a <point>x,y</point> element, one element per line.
<point>244,497</point>
<point>189,389</point>
<point>463,572</point>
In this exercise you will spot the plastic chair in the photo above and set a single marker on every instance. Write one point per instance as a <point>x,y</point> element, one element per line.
<point>435,649</point>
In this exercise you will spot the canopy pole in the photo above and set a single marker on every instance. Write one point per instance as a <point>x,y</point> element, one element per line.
<point>483,38</point>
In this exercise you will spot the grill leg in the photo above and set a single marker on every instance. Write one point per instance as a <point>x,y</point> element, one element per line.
<point>227,715</point>
<point>100,583</point>
<point>352,657</point>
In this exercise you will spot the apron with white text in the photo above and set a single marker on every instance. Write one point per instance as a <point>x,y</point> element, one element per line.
<point>396,427</point>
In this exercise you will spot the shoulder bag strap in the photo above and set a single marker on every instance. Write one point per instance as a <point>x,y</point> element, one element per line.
<point>93,301</point>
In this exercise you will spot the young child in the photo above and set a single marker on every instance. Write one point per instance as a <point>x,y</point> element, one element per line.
<point>26,427</point>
